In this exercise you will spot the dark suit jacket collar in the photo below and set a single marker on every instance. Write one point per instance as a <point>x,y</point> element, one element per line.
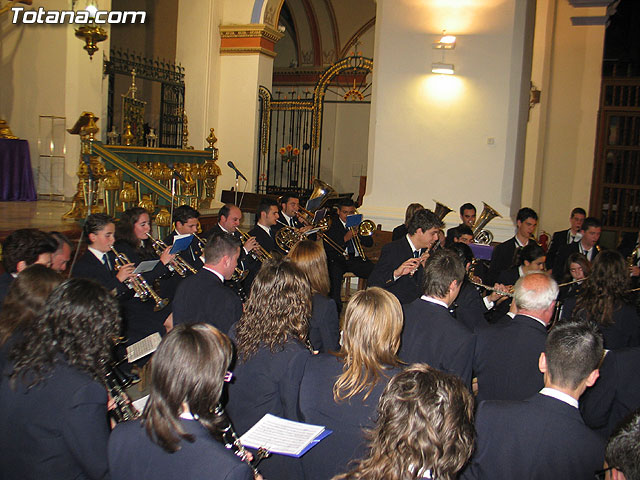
<point>553,405</point>
<point>424,304</point>
<point>531,322</point>
<point>209,274</point>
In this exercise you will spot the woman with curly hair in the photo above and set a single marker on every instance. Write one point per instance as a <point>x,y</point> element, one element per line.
<point>324,326</point>
<point>577,269</point>
<point>604,299</point>
<point>24,302</point>
<point>424,428</point>
<point>132,240</point>
<point>341,391</point>
<point>179,433</point>
<point>53,414</point>
<point>272,346</point>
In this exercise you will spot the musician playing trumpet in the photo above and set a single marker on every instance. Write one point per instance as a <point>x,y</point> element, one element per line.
<point>401,265</point>
<point>351,259</point>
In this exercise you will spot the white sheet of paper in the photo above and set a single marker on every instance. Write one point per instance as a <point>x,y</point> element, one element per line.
<point>140,403</point>
<point>143,348</point>
<point>146,266</point>
<point>279,435</point>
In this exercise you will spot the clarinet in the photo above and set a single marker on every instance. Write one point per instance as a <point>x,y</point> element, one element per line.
<point>232,442</point>
<point>123,410</point>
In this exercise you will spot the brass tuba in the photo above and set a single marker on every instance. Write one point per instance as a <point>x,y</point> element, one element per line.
<point>324,190</point>
<point>480,236</point>
<point>441,210</point>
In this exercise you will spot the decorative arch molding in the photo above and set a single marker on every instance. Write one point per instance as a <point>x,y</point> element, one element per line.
<point>354,38</point>
<point>266,12</point>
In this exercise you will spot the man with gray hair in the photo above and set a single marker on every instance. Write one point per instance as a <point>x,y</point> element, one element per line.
<point>623,450</point>
<point>506,356</point>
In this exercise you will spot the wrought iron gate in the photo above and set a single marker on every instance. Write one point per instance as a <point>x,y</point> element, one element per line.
<point>291,129</point>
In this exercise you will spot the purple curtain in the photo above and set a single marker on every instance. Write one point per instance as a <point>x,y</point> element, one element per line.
<point>16,176</point>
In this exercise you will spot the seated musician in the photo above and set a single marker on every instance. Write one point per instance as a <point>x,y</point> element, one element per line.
<point>266,219</point>
<point>178,434</point>
<point>20,249</point>
<point>401,230</point>
<point>132,239</point>
<point>350,259</point>
<point>401,266</point>
<point>503,255</point>
<point>587,245</point>
<point>467,217</point>
<point>565,237</point>
<point>289,216</point>
<point>203,297</point>
<point>462,234</point>
<point>185,219</point>
<point>54,402</point>
<point>60,258</point>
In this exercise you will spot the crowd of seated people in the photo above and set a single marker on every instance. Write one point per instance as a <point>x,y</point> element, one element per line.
<point>424,375</point>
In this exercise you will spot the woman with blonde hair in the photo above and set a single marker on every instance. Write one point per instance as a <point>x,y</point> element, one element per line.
<point>272,346</point>
<point>424,428</point>
<point>341,391</point>
<point>324,325</point>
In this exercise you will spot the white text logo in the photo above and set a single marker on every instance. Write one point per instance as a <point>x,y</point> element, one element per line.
<point>42,16</point>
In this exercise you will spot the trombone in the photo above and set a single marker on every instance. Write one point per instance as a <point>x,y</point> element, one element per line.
<point>139,285</point>
<point>178,264</point>
<point>365,229</point>
<point>259,253</point>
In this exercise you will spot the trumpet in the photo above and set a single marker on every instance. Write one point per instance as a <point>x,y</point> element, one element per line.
<point>139,285</point>
<point>178,264</point>
<point>258,253</point>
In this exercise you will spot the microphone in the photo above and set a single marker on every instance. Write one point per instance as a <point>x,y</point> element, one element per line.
<point>230,163</point>
<point>176,173</point>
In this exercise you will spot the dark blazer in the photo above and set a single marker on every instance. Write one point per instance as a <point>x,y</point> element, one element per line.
<point>268,382</point>
<point>203,298</point>
<point>88,266</point>
<point>192,254</point>
<point>625,330</point>
<point>247,262</point>
<point>431,335</point>
<point>267,242</point>
<point>55,430</point>
<point>502,258</point>
<point>408,287</point>
<point>470,309</point>
<point>615,394</point>
<point>336,232</point>
<point>559,240</point>
<point>539,438</point>
<point>132,454</point>
<point>324,325</point>
<point>563,254</point>
<point>399,232</point>
<point>506,359</point>
<point>346,419</point>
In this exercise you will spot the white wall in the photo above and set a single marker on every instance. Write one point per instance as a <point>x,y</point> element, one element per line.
<point>430,134</point>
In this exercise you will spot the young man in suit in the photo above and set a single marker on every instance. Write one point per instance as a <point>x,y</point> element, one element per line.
<point>203,297</point>
<point>588,246</point>
<point>566,237</point>
<point>400,268</point>
<point>22,248</point>
<point>544,436</point>
<point>185,219</point>
<point>503,255</point>
<point>506,357</point>
<point>349,259</point>
<point>467,217</point>
<point>266,218</point>
<point>431,335</point>
<point>623,450</point>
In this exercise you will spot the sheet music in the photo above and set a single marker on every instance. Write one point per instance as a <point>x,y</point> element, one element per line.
<point>140,403</point>
<point>143,348</point>
<point>279,435</point>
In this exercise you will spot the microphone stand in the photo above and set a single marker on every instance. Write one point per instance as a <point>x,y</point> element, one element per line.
<point>236,188</point>
<point>173,195</point>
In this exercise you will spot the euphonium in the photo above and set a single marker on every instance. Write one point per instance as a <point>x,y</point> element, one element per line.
<point>480,236</point>
<point>139,284</point>
<point>178,264</point>
<point>287,237</point>
<point>441,210</point>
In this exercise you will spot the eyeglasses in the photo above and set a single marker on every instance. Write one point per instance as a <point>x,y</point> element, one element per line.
<point>602,474</point>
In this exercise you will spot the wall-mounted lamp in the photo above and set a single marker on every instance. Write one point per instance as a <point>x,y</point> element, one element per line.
<point>91,33</point>
<point>443,68</point>
<point>446,42</point>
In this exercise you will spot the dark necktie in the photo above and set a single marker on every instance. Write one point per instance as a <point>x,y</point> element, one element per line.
<point>416,253</point>
<point>105,260</point>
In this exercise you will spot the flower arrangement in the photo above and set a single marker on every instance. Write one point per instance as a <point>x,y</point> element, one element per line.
<point>289,153</point>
